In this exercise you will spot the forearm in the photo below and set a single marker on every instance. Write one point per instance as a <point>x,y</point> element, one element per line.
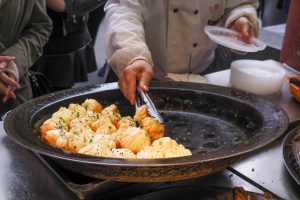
<point>125,37</point>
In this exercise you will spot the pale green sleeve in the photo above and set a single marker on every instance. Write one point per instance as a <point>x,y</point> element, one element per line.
<point>29,46</point>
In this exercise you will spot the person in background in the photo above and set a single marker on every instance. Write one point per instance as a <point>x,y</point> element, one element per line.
<point>24,29</point>
<point>69,54</point>
<point>165,39</point>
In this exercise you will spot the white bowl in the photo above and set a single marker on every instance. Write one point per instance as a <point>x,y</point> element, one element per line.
<point>258,77</point>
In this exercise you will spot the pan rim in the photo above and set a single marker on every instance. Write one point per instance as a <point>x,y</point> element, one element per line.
<point>190,160</point>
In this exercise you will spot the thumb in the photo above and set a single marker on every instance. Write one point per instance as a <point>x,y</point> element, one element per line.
<point>245,30</point>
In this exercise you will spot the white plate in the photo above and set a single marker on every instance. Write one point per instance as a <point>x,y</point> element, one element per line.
<point>233,39</point>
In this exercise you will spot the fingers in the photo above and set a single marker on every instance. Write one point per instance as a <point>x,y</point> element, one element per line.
<point>141,71</point>
<point>3,88</point>
<point>16,84</point>
<point>245,30</point>
<point>9,80</point>
<point>4,60</point>
<point>3,65</point>
<point>131,88</point>
<point>244,26</point>
<point>9,94</point>
<point>7,58</point>
<point>146,77</point>
<point>127,83</point>
<point>7,86</point>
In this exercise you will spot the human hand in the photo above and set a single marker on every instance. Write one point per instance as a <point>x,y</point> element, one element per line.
<point>8,82</point>
<point>139,71</point>
<point>5,60</point>
<point>244,26</point>
<point>9,93</point>
<point>8,85</point>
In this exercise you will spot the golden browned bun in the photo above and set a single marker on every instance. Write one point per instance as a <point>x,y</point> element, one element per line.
<point>141,113</point>
<point>155,129</point>
<point>111,108</point>
<point>122,153</point>
<point>134,139</point>
<point>81,128</point>
<point>103,119</point>
<point>149,152</point>
<point>96,150</point>
<point>92,105</point>
<point>177,151</point>
<point>126,122</point>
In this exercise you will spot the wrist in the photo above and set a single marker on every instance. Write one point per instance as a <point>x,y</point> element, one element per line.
<point>140,58</point>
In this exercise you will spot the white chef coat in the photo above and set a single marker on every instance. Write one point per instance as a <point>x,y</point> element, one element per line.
<point>169,34</point>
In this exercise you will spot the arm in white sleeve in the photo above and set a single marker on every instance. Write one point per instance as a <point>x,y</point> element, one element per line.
<point>242,8</point>
<point>125,37</point>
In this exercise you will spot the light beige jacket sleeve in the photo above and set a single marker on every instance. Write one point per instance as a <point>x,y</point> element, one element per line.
<point>125,37</point>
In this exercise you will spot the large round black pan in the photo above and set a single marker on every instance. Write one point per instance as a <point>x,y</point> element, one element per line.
<point>291,152</point>
<point>217,124</point>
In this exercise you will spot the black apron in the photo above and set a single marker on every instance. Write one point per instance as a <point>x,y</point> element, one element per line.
<point>69,55</point>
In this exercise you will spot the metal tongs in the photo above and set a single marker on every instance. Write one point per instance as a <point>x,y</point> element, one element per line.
<point>143,98</point>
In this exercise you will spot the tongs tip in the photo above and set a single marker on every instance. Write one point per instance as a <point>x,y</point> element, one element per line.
<point>143,98</point>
